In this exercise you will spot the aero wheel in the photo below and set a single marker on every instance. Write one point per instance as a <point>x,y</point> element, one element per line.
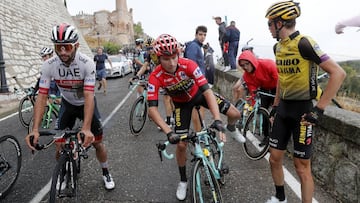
<point>10,163</point>
<point>203,186</point>
<point>26,110</point>
<point>58,183</point>
<point>256,131</point>
<point>138,115</point>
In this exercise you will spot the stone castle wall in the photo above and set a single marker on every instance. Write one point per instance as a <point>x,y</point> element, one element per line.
<point>25,27</point>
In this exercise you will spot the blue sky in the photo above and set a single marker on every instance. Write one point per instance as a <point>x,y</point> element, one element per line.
<point>180,18</point>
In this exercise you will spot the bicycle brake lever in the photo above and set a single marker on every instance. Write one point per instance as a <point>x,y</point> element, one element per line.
<point>160,148</point>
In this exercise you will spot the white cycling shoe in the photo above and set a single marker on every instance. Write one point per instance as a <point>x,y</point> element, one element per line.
<point>181,191</point>
<point>275,200</point>
<point>236,135</point>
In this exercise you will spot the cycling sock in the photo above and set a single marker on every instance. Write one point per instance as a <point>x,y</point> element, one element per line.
<point>280,192</point>
<point>168,120</point>
<point>104,166</point>
<point>182,170</point>
<point>231,128</point>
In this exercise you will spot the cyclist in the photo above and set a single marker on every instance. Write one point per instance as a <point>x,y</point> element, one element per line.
<point>297,58</point>
<point>74,74</point>
<point>183,80</point>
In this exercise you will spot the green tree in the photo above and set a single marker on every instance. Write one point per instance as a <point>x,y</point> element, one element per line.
<point>111,48</point>
<point>138,30</point>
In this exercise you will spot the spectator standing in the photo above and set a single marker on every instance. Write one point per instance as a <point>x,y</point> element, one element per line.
<point>233,37</point>
<point>100,58</point>
<point>297,58</point>
<point>194,52</point>
<point>209,63</point>
<point>350,22</point>
<point>222,41</point>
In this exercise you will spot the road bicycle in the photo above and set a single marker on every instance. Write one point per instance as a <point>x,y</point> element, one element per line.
<point>65,175</point>
<point>27,97</point>
<point>257,128</point>
<point>208,171</point>
<point>49,119</point>
<point>10,163</point>
<point>138,112</point>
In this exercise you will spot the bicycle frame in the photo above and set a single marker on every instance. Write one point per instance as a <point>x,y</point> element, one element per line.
<point>53,108</point>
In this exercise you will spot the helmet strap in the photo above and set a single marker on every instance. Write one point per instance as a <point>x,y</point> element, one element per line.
<point>278,29</point>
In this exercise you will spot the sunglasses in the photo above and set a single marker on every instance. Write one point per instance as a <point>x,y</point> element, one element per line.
<point>244,64</point>
<point>64,47</point>
<point>270,23</point>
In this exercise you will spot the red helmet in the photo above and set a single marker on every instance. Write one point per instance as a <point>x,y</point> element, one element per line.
<point>166,45</point>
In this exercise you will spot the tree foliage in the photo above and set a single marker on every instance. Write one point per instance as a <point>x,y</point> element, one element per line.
<point>111,48</point>
<point>138,30</point>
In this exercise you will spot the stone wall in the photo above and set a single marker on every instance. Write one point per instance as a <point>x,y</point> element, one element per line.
<point>25,28</point>
<point>336,159</point>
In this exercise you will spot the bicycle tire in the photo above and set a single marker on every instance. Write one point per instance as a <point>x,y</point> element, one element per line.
<point>257,143</point>
<point>26,111</point>
<point>138,115</point>
<point>200,185</point>
<point>47,122</point>
<point>64,163</point>
<point>10,163</point>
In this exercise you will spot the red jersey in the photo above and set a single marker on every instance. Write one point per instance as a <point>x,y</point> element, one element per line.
<point>181,86</point>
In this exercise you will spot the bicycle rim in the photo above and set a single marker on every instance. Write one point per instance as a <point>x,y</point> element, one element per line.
<point>10,163</point>
<point>26,110</point>
<point>204,186</point>
<point>138,115</point>
<point>256,131</point>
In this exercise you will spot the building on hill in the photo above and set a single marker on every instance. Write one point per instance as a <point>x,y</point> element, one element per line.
<point>104,26</point>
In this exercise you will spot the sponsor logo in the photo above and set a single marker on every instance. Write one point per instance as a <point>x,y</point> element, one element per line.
<point>182,75</point>
<point>197,73</point>
<point>151,88</point>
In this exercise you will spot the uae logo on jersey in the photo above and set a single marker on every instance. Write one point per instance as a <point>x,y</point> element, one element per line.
<point>197,73</point>
<point>151,88</point>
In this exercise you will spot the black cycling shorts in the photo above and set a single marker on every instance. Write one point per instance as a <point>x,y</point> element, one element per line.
<point>69,113</point>
<point>287,124</point>
<point>183,110</point>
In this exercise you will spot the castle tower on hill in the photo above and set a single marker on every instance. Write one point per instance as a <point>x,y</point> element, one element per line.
<point>105,26</point>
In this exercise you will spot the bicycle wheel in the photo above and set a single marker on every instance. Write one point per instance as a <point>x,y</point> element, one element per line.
<point>26,110</point>
<point>10,163</point>
<point>204,187</point>
<point>64,180</point>
<point>49,120</point>
<point>138,115</point>
<point>256,131</point>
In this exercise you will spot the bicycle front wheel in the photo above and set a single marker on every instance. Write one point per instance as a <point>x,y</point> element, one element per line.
<point>64,180</point>
<point>138,115</point>
<point>10,163</point>
<point>26,110</point>
<point>204,187</point>
<point>257,131</point>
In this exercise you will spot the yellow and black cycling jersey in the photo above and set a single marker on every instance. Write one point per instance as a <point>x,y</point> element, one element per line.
<point>297,59</point>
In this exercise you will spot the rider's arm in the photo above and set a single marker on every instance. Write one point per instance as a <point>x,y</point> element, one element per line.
<point>213,106</point>
<point>142,69</point>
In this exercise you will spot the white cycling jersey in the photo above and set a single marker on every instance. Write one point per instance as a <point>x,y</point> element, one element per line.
<point>72,81</point>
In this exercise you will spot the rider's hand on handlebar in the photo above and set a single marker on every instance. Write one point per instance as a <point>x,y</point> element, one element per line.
<point>88,137</point>
<point>173,138</point>
<point>32,139</point>
<point>218,125</point>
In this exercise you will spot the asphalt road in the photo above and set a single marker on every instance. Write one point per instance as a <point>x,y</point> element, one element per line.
<point>135,164</point>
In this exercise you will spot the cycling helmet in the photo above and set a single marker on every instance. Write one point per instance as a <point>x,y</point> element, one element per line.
<point>166,45</point>
<point>286,10</point>
<point>139,41</point>
<point>45,51</point>
<point>64,33</point>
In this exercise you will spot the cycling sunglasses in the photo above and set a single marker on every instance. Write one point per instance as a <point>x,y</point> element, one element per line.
<point>64,47</point>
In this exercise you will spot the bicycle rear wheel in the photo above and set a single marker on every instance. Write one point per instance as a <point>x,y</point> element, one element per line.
<point>256,131</point>
<point>138,115</point>
<point>204,187</point>
<point>26,111</point>
<point>64,180</point>
<point>10,163</point>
